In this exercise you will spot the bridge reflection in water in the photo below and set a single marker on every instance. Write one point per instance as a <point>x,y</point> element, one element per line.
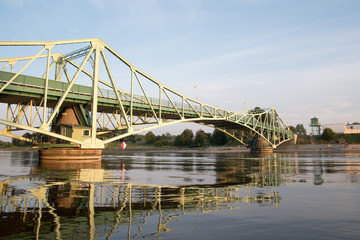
<point>99,203</point>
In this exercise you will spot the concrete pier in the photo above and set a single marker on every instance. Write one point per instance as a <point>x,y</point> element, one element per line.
<point>69,154</point>
<point>260,145</point>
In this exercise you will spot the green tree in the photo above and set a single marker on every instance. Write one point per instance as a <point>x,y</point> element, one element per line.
<point>201,139</point>
<point>300,129</point>
<point>257,110</point>
<point>218,137</point>
<point>150,138</point>
<point>163,140</point>
<point>328,134</point>
<point>177,141</point>
<point>131,138</point>
<point>292,128</point>
<point>185,138</point>
<point>21,143</point>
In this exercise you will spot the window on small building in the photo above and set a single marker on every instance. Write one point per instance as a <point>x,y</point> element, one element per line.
<point>86,133</point>
<point>63,131</point>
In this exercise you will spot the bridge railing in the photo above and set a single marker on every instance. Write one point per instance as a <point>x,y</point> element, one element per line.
<point>39,83</point>
<point>164,103</point>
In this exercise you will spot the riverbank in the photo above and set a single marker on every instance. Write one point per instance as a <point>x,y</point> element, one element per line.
<point>319,148</point>
<point>285,148</point>
<point>108,151</point>
<point>225,149</point>
<point>15,149</point>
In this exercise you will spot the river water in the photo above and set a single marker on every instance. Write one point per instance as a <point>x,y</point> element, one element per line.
<point>182,196</point>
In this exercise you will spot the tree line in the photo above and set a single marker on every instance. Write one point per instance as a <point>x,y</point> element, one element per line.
<point>188,139</point>
<point>37,137</point>
<point>327,136</point>
<point>202,139</point>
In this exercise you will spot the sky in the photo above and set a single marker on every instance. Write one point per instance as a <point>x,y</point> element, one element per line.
<point>300,57</point>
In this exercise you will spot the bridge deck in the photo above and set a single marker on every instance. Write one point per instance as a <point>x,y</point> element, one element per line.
<point>24,88</point>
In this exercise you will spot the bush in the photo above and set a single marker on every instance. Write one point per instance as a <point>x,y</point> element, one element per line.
<point>163,140</point>
<point>185,138</point>
<point>201,139</point>
<point>304,139</point>
<point>351,138</point>
<point>150,138</point>
<point>218,137</point>
<point>328,134</point>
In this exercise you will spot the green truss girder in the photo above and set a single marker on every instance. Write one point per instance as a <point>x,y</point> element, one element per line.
<point>124,111</point>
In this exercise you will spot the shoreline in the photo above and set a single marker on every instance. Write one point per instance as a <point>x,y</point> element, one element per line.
<point>319,148</point>
<point>176,150</point>
<point>281,149</point>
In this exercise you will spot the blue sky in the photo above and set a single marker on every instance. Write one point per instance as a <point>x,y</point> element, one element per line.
<point>301,57</point>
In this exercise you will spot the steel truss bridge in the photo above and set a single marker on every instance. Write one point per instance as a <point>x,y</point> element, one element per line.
<point>108,97</point>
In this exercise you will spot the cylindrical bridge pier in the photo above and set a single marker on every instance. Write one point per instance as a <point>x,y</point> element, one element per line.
<point>69,154</point>
<point>260,145</point>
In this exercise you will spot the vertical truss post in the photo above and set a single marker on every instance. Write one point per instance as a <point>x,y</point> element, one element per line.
<point>132,97</point>
<point>8,117</point>
<point>57,69</point>
<point>31,106</point>
<point>48,47</point>
<point>273,124</point>
<point>160,100</point>
<point>183,106</point>
<point>96,45</point>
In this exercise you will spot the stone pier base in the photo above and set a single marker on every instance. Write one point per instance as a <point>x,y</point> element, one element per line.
<point>261,146</point>
<point>69,154</point>
<point>262,150</point>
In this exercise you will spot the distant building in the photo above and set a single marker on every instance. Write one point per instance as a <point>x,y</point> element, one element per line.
<point>336,127</point>
<point>342,128</point>
<point>352,128</point>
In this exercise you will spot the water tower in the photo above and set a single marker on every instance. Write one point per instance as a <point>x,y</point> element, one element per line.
<point>315,126</point>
